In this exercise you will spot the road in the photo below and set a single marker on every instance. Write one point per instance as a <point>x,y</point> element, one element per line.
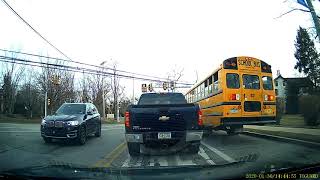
<point>22,146</point>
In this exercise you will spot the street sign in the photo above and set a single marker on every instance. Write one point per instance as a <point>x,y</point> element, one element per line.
<point>303,3</point>
<point>144,88</point>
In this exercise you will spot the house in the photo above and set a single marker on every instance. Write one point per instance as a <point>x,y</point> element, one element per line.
<point>290,89</point>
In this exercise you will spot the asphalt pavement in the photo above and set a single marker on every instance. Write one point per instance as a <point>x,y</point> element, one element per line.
<point>22,146</point>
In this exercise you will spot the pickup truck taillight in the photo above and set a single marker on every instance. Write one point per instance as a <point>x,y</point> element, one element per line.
<point>127,119</point>
<point>200,122</point>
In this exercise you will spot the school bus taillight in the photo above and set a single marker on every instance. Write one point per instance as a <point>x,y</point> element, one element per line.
<point>127,119</point>
<point>200,122</point>
<point>235,97</point>
<point>268,97</point>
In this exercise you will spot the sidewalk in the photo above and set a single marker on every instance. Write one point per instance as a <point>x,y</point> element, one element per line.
<point>296,133</point>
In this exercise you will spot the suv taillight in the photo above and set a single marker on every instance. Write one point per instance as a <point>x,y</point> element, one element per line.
<point>200,122</point>
<point>127,119</point>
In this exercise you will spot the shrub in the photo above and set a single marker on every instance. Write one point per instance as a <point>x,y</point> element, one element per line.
<point>310,108</point>
<point>280,109</point>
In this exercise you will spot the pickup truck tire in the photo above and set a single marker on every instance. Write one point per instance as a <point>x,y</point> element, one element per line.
<point>232,132</point>
<point>47,140</point>
<point>207,132</point>
<point>194,148</point>
<point>133,148</point>
<point>98,131</point>
<point>82,135</point>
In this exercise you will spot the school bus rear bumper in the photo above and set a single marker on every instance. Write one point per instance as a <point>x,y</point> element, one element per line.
<point>248,120</point>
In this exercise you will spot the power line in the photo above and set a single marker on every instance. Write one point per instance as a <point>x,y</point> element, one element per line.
<point>73,69</point>
<point>78,62</point>
<point>22,19</point>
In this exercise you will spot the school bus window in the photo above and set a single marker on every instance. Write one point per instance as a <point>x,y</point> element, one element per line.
<point>210,85</point>
<point>215,82</point>
<point>202,90</point>
<point>267,83</point>
<point>205,88</point>
<point>251,81</point>
<point>233,81</point>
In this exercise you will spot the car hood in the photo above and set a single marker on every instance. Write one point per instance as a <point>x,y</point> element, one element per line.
<point>64,117</point>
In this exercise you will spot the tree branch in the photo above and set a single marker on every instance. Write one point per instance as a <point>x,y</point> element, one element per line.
<point>295,9</point>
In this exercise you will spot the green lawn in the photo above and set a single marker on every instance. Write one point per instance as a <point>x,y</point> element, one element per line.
<point>294,121</point>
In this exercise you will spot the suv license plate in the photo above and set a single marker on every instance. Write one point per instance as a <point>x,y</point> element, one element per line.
<point>164,135</point>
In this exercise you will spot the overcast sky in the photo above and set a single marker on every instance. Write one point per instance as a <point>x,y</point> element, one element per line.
<point>150,37</point>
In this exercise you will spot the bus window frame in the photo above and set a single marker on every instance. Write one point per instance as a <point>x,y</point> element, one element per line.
<point>243,85</point>
<point>263,85</point>
<point>238,87</point>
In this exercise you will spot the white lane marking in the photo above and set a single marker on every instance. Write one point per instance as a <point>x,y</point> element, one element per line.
<point>151,162</point>
<point>163,161</point>
<point>205,156</point>
<point>108,129</point>
<point>219,153</point>
<point>139,162</point>
<point>184,162</point>
<point>126,162</point>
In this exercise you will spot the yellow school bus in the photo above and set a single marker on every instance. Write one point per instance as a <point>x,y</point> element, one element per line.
<point>239,92</point>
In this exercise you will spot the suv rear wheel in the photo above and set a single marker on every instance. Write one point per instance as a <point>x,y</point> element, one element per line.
<point>133,148</point>
<point>194,147</point>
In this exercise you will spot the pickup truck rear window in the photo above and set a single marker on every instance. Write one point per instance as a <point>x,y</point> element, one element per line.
<point>166,98</point>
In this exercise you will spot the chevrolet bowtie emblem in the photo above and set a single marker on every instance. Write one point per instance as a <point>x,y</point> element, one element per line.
<point>164,118</point>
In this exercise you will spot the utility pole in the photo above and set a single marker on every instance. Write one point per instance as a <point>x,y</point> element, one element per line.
<point>103,98</point>
<point>132,90</point>
<point>314,17</point>
<point>115,95</point>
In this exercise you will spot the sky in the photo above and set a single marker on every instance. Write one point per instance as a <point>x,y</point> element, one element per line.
<point>151,37</point>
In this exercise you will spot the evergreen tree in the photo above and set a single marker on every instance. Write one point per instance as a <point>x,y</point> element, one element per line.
<point>307,56</point>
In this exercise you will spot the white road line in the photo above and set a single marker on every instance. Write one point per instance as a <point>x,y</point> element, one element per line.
<point>219,153</point>
<point>126,162</point>
<point>205,156</point>
<point>185,162</point>
<point>163,161</point>
<point>139,162</point>
<point>107,129</point>
<point>151,162</point>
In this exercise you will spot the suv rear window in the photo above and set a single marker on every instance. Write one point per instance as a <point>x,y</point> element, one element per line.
<point>251,81</point>
<point>233,81</point>
<point>267,83</point>
<point>163,98</point>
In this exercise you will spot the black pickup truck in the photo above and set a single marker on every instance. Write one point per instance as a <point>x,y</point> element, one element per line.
<point>163,120</point>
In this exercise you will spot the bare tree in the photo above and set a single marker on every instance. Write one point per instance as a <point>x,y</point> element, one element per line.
<point>175,73</point>
<point>12,74</point>
<point>58,83</point>
<point>92,87</point>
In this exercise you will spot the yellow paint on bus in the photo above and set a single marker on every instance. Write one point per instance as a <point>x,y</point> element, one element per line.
<point>239,92</point>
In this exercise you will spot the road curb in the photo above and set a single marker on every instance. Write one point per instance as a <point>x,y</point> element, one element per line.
<point>283,139</point>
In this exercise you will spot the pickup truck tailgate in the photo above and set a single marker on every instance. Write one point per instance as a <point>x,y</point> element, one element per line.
<point>164,118</point>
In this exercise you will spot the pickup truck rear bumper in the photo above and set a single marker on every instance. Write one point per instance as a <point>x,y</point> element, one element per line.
<point>142,137</point>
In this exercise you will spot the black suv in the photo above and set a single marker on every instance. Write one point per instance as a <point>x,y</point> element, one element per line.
<point>72,121</point>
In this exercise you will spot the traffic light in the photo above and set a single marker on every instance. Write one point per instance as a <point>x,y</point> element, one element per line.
<point>144,88</point>
<point>165,85</point>
<point>150,87</point>
<point>49,101</point>
<point>172,85</point>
